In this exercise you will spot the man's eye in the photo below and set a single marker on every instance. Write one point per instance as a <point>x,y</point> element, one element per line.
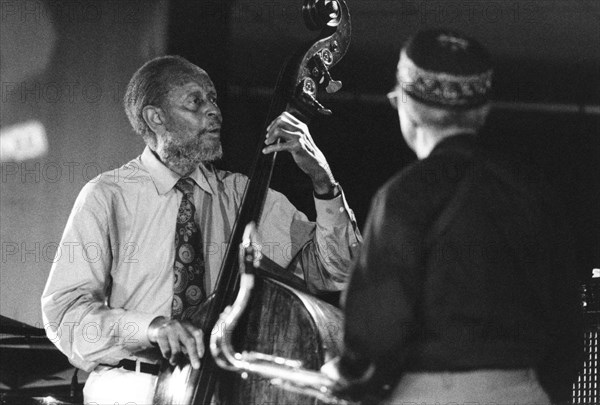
<point>193,103</point>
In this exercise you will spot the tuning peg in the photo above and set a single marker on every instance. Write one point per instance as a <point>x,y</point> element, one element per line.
<point>333,86</point>
<point>323,59</point>
<point>306,91</point>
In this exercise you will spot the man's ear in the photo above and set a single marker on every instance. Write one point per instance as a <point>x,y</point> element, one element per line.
<point>154,118</point>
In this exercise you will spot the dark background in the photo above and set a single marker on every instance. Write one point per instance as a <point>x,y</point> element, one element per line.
<point>546,92</point>
<point>65,65</point>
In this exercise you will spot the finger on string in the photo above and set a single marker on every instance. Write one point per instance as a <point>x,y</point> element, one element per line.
<point>283,134</point>
<point>279,147</point>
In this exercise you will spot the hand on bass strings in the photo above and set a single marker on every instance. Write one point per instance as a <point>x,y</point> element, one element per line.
<point>288,134</point>
<point>175,337</point>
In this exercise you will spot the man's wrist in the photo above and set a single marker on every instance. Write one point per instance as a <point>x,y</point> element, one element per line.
<point>154,326</point>
<point>327,193</point>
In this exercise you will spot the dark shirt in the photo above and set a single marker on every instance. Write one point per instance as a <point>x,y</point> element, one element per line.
<point>466,265</point>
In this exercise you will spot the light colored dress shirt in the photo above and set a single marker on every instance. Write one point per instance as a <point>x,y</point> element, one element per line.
<point>113,272</point>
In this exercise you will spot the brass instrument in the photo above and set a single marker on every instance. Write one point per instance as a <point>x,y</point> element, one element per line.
<point>285,373</point>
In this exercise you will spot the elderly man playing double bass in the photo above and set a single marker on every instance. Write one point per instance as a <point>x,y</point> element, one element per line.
<point>157,224</point>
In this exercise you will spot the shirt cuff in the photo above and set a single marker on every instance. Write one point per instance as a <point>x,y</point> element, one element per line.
<point>135,329</point>
<point>334,211</point>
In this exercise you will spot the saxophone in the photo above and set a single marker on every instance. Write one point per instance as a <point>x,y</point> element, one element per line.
<point>285,373</point>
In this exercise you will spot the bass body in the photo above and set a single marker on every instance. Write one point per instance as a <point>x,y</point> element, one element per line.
<point>281,321</point>
<point>284,322</point>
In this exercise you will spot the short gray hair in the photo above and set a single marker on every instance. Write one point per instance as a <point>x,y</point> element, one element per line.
<point>151,83</point>
<point>440,118</point>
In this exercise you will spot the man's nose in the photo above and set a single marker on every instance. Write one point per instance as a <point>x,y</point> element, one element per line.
<point>213,111</point>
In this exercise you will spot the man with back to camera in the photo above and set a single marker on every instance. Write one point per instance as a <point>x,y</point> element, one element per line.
<point>159,224</point>
<point>465,290</point>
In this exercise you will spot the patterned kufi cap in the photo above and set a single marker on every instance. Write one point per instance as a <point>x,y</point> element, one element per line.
<point>445,69</point>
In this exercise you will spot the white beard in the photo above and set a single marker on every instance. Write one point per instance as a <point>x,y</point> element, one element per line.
<point>183,156</point>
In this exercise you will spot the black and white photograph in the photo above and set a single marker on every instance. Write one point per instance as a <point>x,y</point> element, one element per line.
<point>300,202</point>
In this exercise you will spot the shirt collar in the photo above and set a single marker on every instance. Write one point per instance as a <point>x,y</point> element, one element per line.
<point>165,179</point>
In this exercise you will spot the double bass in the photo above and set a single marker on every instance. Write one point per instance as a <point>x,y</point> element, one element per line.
<point>283,319</point>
